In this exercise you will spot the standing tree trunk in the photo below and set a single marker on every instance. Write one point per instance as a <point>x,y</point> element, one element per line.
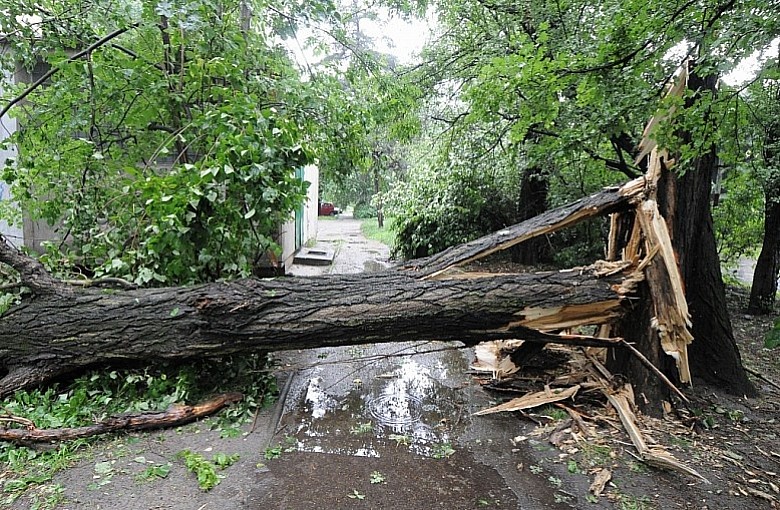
<point>764,288</point>
<point>685,203</point>
<point>378,155</point>
<point>532,202</point>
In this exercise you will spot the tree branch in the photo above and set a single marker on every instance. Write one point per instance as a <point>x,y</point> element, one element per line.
<point>43,79</point>
<point>31,272</point>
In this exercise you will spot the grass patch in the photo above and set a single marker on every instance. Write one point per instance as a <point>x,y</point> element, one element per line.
<point>384,235</point>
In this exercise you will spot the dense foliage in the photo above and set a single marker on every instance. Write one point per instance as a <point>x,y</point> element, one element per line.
<point>168,154</point>
<point>561,91</point>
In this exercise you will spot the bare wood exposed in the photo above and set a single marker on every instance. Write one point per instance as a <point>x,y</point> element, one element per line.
<point>603,476</point>
<point>672,319</point>
<point>532,400</point>
<point>174,416</point>
<point>677,89</point>
<point>622,401</point>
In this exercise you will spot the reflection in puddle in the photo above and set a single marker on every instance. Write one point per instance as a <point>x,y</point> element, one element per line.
<point>318,399</point>
<point>390,404</point>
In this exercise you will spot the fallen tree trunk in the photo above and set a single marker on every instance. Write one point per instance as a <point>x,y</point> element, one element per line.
<point>56,333</point>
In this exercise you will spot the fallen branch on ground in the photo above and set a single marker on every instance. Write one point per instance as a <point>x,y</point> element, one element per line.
<point>174,416</point>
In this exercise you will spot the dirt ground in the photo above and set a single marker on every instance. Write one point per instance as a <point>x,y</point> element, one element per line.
<point>308,452</point>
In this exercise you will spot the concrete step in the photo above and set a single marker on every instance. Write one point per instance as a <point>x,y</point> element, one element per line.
<point>316,256</point>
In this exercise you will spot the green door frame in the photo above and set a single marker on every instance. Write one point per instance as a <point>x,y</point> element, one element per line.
<point>299,216</point>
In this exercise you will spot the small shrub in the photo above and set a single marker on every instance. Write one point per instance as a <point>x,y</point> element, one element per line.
<point>364,210</point>
<point>772,337</point>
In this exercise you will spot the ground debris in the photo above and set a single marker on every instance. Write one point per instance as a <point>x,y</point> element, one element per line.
<point>532,400</point>
<point>603,476</point>
<point>620,398</point>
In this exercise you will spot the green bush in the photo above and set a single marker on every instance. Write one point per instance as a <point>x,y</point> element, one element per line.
<point>444,204</point>
<point>364,210</point>
<point>772,337</point>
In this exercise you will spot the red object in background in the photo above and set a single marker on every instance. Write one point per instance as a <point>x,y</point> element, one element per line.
<point>328,209</point>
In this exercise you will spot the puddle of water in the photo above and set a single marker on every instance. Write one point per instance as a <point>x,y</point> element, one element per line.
<point>393,403</point>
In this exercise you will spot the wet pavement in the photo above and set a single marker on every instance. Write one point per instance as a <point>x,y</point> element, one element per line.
<point>390,425</point>
<point>353,252</point>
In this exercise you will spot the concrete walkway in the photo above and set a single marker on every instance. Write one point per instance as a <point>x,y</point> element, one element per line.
<point>354,253</point>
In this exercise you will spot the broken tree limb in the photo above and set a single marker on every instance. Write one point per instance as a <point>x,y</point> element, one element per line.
<point>599,204</point>
<point>174,416</point>
<point>53,334</point>
<point>672,319</point>
<point>86,51</point>
<point>646,362</point>
<point>31,272</point>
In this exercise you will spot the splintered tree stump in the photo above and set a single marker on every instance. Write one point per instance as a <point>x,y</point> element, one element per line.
<point>56,333</point>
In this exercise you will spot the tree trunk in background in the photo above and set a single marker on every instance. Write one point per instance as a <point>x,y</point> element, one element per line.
<point>380,216</point>
<point>685,203</point>
<point>764,288</point>
<point>532,202</point>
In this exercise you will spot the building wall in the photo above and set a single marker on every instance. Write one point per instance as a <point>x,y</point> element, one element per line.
<point>311,174</point>
<point>30,233</point>
<point>11,233</point>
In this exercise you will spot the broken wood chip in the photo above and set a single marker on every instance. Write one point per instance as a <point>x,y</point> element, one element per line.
<point>603,476</point>
<point>622,400</point>
<point>760,494</point>
<point>532,400</point>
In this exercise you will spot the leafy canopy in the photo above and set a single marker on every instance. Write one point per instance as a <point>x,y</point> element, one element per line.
<point>167,155</point>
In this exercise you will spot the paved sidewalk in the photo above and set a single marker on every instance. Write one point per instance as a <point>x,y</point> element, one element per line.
<point>353,252</point>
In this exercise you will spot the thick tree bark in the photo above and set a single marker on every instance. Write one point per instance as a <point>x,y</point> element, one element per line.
<point>764,287</point>
<point>685,203</point>
<point>51,335</point>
